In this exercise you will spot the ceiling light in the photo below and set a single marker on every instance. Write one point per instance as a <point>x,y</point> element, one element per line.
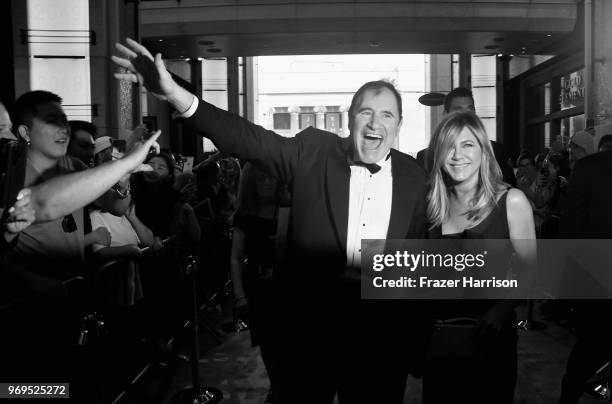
<point>213,50</point>
<point>206,42</point>
<point>492,46</point>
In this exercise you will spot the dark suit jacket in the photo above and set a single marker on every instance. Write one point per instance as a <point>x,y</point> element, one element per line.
<point>587,209</point>
<point>326,315</point>
<point>315,164</point>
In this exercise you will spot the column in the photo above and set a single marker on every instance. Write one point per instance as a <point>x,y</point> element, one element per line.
<point>116,101</point>
<point>598,97</point>
<point>345,121</point>
<point>295,120</point>
<point>320,117</point>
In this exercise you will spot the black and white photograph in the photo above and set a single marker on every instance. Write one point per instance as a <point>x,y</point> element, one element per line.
<point>306,201</point>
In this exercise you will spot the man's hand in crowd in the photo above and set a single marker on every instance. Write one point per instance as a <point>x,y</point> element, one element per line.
<point>19,217</point>
<point>141,67</point>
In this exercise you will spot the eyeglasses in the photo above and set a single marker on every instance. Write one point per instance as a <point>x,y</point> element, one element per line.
<point>69,224</point>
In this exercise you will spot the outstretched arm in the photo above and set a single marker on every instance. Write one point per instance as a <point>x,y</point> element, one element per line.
<point>64,194</point>
<point>136,59</point>
<point>18,218</point>
<point>233,135</point>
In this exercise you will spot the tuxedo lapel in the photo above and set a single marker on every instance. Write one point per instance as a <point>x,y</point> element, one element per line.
<point>338,176</point>
<point>402,203</point>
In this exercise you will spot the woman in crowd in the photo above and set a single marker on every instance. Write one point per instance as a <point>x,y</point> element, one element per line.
<point>550,189</point>
<point>252,262</point>
<point>121,284</point>
<point>160,206</point>
<point>468,199</point>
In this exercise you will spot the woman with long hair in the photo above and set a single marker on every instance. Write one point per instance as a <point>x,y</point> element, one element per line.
<point>468,199</point>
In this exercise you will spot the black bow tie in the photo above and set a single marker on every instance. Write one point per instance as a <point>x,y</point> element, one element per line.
<point>373,168</point>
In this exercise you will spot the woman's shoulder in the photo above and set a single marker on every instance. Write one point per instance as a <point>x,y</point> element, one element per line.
<point>518,207</point>
<point>516,199</point>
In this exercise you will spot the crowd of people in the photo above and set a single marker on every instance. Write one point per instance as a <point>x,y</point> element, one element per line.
<point>97,214</point>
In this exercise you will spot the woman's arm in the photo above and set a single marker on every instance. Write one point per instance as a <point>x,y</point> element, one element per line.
<point>522,237</point>
<point>145,235</point>
<point>189,225</point>
<point>128,251</point>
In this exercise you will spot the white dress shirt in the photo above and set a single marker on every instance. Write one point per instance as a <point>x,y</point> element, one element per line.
<point>369,208</point>
<point>370,198</point>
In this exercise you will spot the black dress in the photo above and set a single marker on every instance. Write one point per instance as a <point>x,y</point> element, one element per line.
<point>490,376</point>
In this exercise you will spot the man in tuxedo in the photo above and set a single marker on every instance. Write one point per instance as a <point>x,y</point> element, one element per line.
<point>344,190</point>
<point>461,99</point>
<point>586,214</point>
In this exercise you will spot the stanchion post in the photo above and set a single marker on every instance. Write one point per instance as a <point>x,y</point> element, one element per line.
<point>196,394</point>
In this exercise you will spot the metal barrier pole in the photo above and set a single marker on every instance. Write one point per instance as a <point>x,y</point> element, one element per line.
<point>529,323</point>
<point>196,394</point>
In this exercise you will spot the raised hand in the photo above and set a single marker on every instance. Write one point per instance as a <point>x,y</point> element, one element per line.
<point>20,215</point>
<point>102,236</point>
<point>141,67</point>
<point>139,148</point>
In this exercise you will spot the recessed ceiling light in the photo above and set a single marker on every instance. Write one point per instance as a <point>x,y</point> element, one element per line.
<point>548,35</point>
<point>375,44</point>
<point>160,40</point>
<point>206,42</point>
<point>214,50</point>
<point>492,47</point>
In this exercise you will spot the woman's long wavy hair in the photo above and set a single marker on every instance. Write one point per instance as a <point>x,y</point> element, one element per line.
<point>490,184</point>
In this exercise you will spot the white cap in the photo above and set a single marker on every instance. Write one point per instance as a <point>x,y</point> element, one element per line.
<point>584,140</point>
<point>102,143</point>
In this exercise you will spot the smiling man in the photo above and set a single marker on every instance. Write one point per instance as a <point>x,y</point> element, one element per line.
<point>344,191</point>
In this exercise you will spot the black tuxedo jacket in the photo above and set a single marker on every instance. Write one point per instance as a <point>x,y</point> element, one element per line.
<point>319,304</point>
<point>314,164</point>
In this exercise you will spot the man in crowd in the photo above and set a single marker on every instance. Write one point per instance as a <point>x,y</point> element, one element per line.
<point>586,214</point>
<point>605,143</point>
<point>82,141</point>
<point>6,126</point>
<point>461,99</point>
<point>581,145</point>
<point>344,191</point>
